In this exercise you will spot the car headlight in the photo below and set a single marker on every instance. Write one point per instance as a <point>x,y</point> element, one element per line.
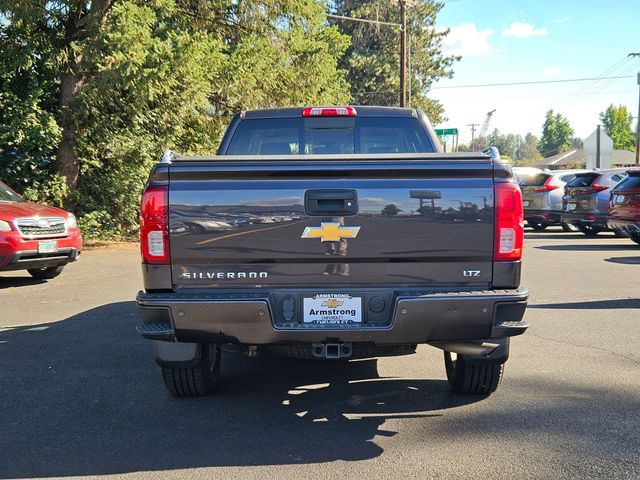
<point>5,226</point>
<point>71,221</point>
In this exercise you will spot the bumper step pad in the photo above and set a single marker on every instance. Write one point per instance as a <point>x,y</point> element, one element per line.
<point>156,331</point>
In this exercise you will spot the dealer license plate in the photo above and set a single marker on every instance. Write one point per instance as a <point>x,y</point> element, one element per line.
<point>525,203</point>
<point>571,206</point>
<point>47,246</point>
<point>332,309</point>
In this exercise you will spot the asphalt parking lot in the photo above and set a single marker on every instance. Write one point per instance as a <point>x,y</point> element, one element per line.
<point>80,394</point>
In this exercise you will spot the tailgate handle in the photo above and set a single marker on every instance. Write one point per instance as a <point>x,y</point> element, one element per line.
<point>324,202</point>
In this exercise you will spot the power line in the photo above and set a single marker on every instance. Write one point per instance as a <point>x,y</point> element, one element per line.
<point>595,89</point>
<point>584,88</point>
<point>533,82</point>
<point>363,20</point>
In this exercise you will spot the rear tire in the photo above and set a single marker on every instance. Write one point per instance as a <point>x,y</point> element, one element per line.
<point>590,231</point>
<point>635,237</point>
<point>46,273</point>
<point>472,377</point>
<point>198,380</point>
<point>538,227</point>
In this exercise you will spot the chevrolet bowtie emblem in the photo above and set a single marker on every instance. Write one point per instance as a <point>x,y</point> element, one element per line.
<point>330,232</point>
<point>332,303</point>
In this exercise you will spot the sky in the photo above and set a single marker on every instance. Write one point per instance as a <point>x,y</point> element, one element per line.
<point>538,40</point>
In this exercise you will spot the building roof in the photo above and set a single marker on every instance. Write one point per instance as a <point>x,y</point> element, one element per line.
<point>623,158</point>
<point>577,157</point>
<point>570,157</point>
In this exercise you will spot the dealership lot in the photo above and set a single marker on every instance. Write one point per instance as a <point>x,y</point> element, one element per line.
<point>80,395</point>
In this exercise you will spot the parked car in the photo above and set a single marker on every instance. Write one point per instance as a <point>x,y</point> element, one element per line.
<point>542,197</point>
<point>586,199</point>
<point>346,279</point>
<point>36,238</point>
<point>624,206</point>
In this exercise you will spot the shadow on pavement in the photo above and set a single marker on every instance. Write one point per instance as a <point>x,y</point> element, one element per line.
<point>9,282</point>
<point>587,247</point>
<point>593,305</point>
<point>624,260</point>
<point>84,397</point>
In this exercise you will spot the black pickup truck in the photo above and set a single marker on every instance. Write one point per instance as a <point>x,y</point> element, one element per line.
<point>331,233</point>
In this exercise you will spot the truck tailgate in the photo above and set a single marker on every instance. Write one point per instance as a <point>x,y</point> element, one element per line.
<point>424,221</point>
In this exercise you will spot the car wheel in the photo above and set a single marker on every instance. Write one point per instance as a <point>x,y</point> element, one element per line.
<point>468,376</point>
<point>635,237</point>
<point>589,230</point>
<point>538,227</point>
<point>567,227</point>
<point>46,273</point>
<point>197,380</point>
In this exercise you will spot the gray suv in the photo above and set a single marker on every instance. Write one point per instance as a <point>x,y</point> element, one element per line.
<point>542,197</point>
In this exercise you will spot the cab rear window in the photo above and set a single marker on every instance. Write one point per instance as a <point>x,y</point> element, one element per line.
<point>335,135</point>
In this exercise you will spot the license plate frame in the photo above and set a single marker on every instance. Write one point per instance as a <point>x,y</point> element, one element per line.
<point>332,310</point>
<point>47,246</point>
<point>571,207</point>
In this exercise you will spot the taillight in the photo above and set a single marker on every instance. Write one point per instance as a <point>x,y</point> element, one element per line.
<point>547,187</point>
<point>154,225</point>
<point>509,223</point>
<point>329,112</point>
<point>594,187</point>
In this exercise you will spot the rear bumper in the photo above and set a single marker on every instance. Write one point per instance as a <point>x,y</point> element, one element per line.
<point>248,319</point>
<point>583,218</point>
<point>627,227</point>
<point>545,217</point>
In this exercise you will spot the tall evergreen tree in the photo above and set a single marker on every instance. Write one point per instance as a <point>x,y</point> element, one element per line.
<point>372,61</point>
<point>556,134</point>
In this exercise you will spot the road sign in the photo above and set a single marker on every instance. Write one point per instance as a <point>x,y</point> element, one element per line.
<point>441,132</point>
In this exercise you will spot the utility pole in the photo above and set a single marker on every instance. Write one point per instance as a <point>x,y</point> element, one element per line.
<point>637,55</point>
<point>638,127</point>
<point>403,53</point>
<point>598,148</point>
<point>473,134</point>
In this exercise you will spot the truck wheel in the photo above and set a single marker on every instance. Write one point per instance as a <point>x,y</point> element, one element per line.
<point>195,381</point>
<point>467,376</point>
<point>46,273</point>
<point>590,231</point>
<point>538,227</point>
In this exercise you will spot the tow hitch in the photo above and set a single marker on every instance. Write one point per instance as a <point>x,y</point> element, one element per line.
<point>331,350</point>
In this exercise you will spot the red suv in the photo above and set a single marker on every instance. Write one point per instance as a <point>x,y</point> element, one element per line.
<point>36,238</point>
<point>624,206</point>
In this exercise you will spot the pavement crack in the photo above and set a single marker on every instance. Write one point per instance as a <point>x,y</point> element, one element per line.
<point>593,347</point>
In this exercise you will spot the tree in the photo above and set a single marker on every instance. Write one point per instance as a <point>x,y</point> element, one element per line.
<point>528,151</point>
<point>556,135</point>
<point>92,92</point>
<point>508,145</point>
<point>617,124</point>
<point>391,210</point>
<point>372,61</point>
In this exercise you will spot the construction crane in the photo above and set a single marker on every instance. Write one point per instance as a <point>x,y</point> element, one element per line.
<point>485,125</point>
